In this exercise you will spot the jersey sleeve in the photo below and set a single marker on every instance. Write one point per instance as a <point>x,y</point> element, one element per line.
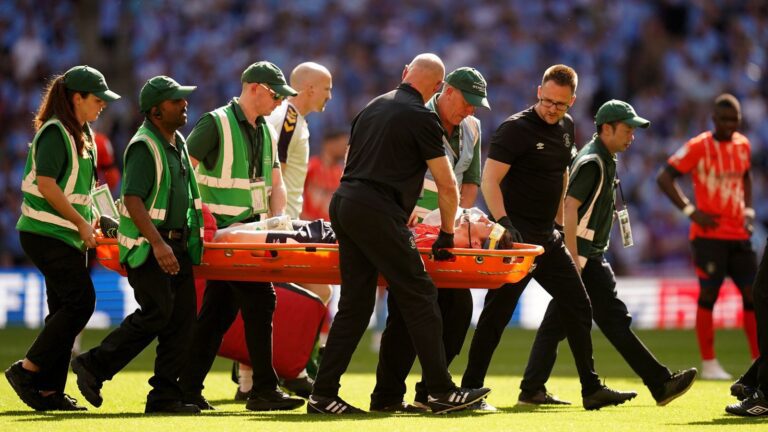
<point>203,141</point>
<point>506,143</point>
<point>686,158</point>
<point>429,136</point>
<point>51,153</point>
<point>139,171</point>
<point>585,181</point>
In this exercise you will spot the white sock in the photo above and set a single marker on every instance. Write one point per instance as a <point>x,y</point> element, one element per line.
<point>245,378</point>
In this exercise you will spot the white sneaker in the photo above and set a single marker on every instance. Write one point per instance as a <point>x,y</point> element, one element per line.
<point>711,370</point>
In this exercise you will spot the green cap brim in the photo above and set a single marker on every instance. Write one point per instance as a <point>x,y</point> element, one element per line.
<point>283,89</point>
<point>637,122</point>
<point>107,95</point>
<point>181,93</point>
<point>476,100</point>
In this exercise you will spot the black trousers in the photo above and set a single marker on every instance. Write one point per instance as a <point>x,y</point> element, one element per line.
<point>166,311</point>
<point>397,354</point>
<point>71,301</point>
<point>556,272</point>
<point>221,303</point>
<point>371,242</point>
<point>760,296</point>
<point>611,315</point>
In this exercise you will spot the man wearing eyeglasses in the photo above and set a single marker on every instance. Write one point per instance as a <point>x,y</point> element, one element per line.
<point>240,181</point>
<point>589,213</point>
<point>464,91</point>
<point>523,184</point>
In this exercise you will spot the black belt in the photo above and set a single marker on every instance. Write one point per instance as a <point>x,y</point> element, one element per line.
<point>172,234</point>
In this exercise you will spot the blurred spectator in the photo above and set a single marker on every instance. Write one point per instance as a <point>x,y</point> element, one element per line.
<point>323,176</point>
<point>680,54</point>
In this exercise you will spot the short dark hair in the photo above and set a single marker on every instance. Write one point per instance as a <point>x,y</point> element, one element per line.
<point>562,75</point>
<point>728,100</point>
<point>506,241</point>
<point>613,125</point>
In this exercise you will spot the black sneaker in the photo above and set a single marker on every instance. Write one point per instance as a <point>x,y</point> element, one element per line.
<point>401,407</point>
<point>272,400</point>
<point>22,382</point>
<point>330,405</point>
<point>62,402</point>
<point>753,406</point>
<point>605,397</point>
<point>241,396</point>
<point>742,391</point>
<point>541,397</point>
<point>674,387</point>
<point>89,385</point>
<point>455,400</point>
<point>199,401</point>
<point>171,407</point>
<point>301,386</point>
<point>483,406</point>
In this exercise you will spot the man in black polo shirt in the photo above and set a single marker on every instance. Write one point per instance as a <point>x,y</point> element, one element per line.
<point>589,213</point>
<point>523,184</point>
<point>393,141</point>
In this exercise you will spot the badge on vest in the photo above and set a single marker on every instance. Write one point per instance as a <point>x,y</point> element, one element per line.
<point>259,196</point>
<point>624,227</point>
<point>103,203</point>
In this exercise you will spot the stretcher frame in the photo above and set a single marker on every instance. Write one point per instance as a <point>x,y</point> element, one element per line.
<point>319,263</point>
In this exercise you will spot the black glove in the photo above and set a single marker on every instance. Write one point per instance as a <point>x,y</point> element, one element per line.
<point>444,241</point>
<point>507,224</point>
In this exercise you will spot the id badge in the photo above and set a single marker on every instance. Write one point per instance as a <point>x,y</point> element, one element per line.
<point>624,227</point>
<point>259,196</point>
<point>103,203</point>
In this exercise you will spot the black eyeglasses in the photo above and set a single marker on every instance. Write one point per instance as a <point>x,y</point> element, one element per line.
<point>274,94</point>
<point>549,103</point>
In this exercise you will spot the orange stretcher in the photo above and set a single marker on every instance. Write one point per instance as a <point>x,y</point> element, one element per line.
<point>319,263</point>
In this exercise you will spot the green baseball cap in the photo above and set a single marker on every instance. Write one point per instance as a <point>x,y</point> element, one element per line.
<point>88,79</point>
<point>264,72</point>
<point>161,88</point>
<point>616,110</point>
<point>472,85</point>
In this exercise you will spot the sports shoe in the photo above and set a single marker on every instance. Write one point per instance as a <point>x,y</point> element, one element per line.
<point>330,405</point>
<point>742,391</point>
<point>62,402</point>
<point>483,406</point>
<point>674,387</point>
<point>241,396</point>
<point>199,401</point>
<point>171,407</point>
<point>711,370</point>
<point>455,400</point>
<point>272,400</point>
<point>401,407</point>
<point>541,397</point>
<point>605,397</point>
<point>300,386</point>
<point>753,406</point>
<point>89,385</point>
<point>22,382</point>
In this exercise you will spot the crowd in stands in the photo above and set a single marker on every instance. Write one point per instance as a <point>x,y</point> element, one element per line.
<point>668,58</point>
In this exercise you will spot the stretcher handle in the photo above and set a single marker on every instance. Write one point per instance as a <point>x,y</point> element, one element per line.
<point>521,249</point>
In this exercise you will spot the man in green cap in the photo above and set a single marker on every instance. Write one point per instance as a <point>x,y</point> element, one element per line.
<point>589,213</point>
<point>464,90</point>
<point>235,154</point>
<point>160,238</point>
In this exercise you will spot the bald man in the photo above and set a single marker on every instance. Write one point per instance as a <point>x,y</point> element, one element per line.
<point>392,143</point>
<point>313,83</point>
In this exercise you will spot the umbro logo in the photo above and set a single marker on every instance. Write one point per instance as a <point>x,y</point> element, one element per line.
<point>757,410</point>
<point>540,146</point>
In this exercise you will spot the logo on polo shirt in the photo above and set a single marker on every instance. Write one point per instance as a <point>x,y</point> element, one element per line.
<point>567,140</point>
<point>540,146</point>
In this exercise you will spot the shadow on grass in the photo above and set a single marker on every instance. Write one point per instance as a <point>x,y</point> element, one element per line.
<point>728,420</point>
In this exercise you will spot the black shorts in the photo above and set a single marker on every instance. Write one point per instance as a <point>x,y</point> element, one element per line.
<point>715,259</point>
